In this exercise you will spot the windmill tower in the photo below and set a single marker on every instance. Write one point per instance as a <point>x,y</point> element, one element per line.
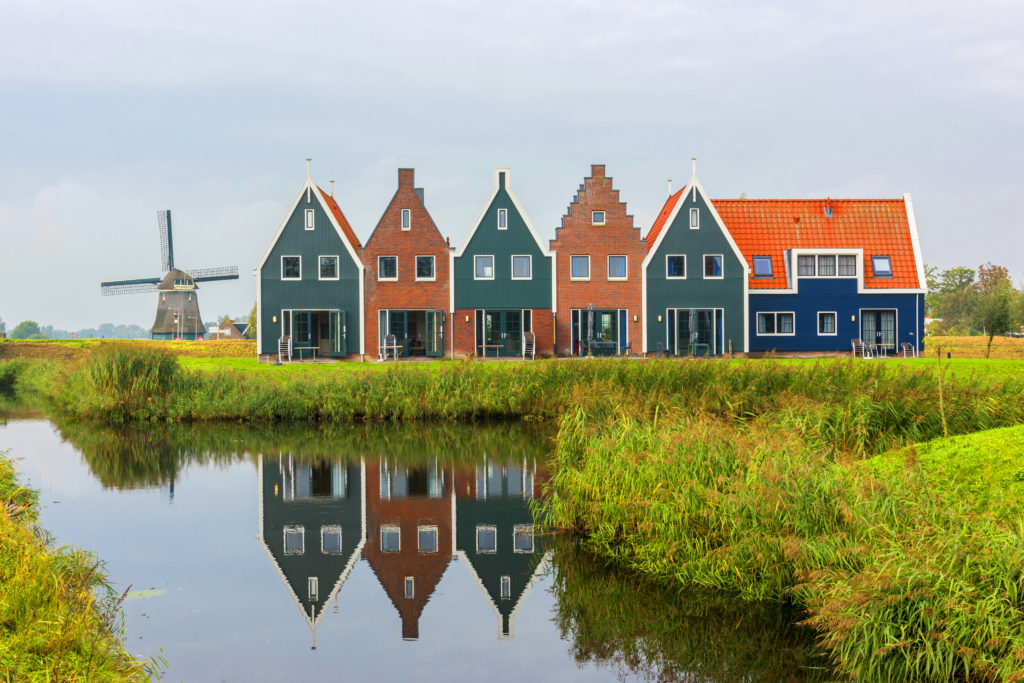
<point>177,309</point>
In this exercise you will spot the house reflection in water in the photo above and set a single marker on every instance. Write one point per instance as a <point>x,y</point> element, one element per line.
<point>312,526</point>
<point>495,533</point>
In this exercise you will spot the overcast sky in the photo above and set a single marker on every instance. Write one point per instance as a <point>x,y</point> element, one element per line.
<point>112,110</point>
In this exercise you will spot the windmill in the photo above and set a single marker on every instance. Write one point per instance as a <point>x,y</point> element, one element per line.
<point>177,310</point>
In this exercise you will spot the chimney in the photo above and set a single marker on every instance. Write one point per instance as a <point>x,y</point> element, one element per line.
<point>410,627</point>
<point>405,177</point>
<point>597,170</point>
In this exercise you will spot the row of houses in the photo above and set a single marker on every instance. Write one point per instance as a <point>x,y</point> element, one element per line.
<point>710,277</point>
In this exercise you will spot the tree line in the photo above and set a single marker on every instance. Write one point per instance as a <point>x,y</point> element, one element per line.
<point>965,302</point>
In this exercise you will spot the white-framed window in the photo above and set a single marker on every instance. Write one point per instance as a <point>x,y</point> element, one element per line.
<point>483,267</point>
<point>426,539</point>
<point>597,217</point>
<point>847,265</point>
<point>826,265</point>
<point>694,219</point>
<point>506,587</point>
<point>776,324</point>
<point>425,268</point>
<point>406,219</point>
<point>291,267</point>
<point>330,539</point>
<point>502,219</point>
<point>390,539</point>
<point>805,265</point>
<point>313,587</point>
<point>617,267</point>
<point>387,267</point>
<point>522,538</point>
<point>827,323</point>
<point>713,267</point>
<point>675,266</point>
<point>579,267</point>
<point>329,268</point>
<point>310,219</point>
<point>486,538</point>
<point>410,587</point>
<point>522,267</point>
<point>882,266</point>
<point>294,540</point>
<point>762,266</point>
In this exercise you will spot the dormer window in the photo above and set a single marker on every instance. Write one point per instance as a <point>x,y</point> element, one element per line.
<point>762,266</point>
<point>502,219</point>
<point>597,217</point>
<point>310,219</point>
<point>406,219</point>
<point>882,266</point>
<point>694,219</point>
<point>410,587</point>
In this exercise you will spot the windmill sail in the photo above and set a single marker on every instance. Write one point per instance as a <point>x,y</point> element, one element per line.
<point>146,284</point>
<point>163,219</point>
<point>211,274</point>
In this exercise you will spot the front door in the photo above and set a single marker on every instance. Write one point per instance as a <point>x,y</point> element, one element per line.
<point>502,333</point>
<point>434,341</point>
<point>696,331</point>
<point>878,327</point>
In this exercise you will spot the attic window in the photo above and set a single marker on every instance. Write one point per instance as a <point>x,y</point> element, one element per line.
<point>694,219</point>
<point>502,219</point>
<point>314,588</point>
<point>310,219</point>
<point>506,587</point>
<point>882,266</point>
<point>410,587</point>
<point>762,266</point>
<point>597,217</point>
<point>406,219</point>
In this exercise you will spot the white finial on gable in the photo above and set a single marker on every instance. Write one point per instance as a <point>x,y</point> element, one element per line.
<point>309,178</point>
<point>693,176</point>
<point>669,187</point>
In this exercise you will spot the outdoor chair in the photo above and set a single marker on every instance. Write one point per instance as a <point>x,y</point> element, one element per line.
<point>529,345</point>
<point>627,349</point>
<point>284,349</point>
<point>909,350</point>
<point>861,348</point>
<point>390,346</point>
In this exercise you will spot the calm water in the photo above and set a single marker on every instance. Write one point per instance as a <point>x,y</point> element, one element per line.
<point>369,553</point>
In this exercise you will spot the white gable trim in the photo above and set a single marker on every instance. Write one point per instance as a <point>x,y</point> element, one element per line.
<point>918,261</point>
<point>280,228</point>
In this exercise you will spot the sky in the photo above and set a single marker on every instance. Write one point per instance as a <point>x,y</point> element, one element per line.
<point>114,109</point>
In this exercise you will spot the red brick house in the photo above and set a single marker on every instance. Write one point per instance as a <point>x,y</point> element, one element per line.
<point>406,268</point>
<point>408,534</point>
<point>599,255</point>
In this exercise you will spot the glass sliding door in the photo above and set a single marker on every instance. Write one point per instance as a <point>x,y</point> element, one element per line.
<point>434,333</point>
<point>339,342</point>
<point>878,327</point>
<point>698,331</point>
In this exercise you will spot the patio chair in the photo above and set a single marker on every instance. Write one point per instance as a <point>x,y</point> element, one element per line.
<point>390,346</point>
<point>529,345</point>
<point>861,348</point>
<point>627,349</point>
<point>284,349</point>
<point>909,350</point>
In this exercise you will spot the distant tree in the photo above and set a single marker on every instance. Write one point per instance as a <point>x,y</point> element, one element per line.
<point>996,294</point>
<point>26,329</point>
<point>252,322</point>
<point>3,326</point>
<point>956,279</point>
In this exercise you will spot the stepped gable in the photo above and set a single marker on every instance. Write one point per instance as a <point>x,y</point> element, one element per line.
<point>769,227</point>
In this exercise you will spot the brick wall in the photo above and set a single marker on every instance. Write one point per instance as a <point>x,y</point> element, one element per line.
<point>579,236</point>
<point>465,332</point>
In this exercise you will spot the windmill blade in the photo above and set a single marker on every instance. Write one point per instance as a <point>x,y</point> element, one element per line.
<point>211,274</point>
<point>140,285</point>
<point>163,221</point>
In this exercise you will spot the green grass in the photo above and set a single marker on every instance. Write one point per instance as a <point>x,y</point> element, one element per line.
<point>58,617</point>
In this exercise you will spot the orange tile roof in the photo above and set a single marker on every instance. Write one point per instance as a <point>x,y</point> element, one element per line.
<point>340,217</point>
<point>768,227</point>
<point>666,211</point>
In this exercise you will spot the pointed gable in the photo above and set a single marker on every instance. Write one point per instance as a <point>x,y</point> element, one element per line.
<point>343,223</point>
<point>662,219</point>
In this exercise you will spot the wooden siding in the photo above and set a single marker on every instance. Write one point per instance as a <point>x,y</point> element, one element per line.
<point>309,293</point>
<point>695,291</point>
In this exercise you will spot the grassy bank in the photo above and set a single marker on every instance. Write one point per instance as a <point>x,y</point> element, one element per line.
<point>57,614</point>
<point>904,569</point>
<point>75,349</point>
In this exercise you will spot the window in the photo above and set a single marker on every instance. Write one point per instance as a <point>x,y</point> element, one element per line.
<point>390,539</point>
<point>502,219</point>
<point>406,219</point>
<point>597,217</point>
<point>426,539</point>
<point>826,323</point>
<point>330,540</point>
<point>313,585</point>
<point>826,266</point>
<point>410,587</point>
<point>424,267</point>
<point>675,266</point>
<point>483,268</point>
<point>762,266</point>
<point>882,266</point>
<point>294,540</point>
<point>486,539</point>
<point>580,267</point>
<point>616,267</point>
<point>847,265</point>
<point>506,587</point>
<point>522,538</point>
<point>805,266</point>
<point>694,219</point>
<point>712,266</point>
<point>775,324</point>
<point>291,267</point>
<point>310,219</point>
<point>328,267</point>
<point>522,267</point>
<point>387,267</point>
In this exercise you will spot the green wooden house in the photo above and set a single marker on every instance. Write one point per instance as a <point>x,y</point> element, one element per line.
<point>502,284</point>
<point>694,280</point>
<point>309,290</point>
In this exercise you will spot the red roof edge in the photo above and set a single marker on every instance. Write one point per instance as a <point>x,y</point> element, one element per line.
<point>340,217</point>
<point>662,218</point>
